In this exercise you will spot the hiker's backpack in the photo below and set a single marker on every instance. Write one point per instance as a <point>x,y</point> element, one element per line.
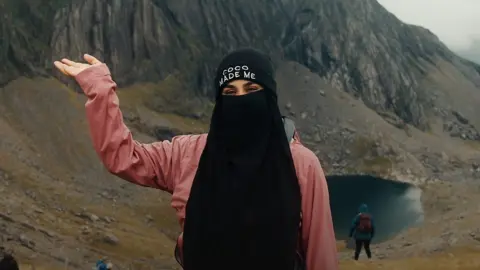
<point>364,223</point>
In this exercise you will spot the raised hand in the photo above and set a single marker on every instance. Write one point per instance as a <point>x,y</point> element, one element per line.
<point>71,68</point>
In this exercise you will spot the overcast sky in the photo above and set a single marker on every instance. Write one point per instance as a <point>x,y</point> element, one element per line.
<point>455,22</point>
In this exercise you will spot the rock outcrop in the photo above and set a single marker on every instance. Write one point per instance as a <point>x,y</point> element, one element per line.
<point>356,45</point>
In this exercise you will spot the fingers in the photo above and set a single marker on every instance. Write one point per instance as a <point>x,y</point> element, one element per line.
<point>69,62</point>
<point>91,60</point>
<point>72,68</point>
<point>61,67</point>
<point>66,69</point>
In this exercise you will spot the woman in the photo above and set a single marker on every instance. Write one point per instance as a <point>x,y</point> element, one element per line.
<point>246,198</point>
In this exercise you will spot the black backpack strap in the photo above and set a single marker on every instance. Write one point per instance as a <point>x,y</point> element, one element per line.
<point>289,126</point>
<point>178,253</point>
<point>300,263</point>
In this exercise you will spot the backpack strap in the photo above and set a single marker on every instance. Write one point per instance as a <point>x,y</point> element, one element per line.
<point>289,126</point>
<point>300,258</point>
<point>178,252</point>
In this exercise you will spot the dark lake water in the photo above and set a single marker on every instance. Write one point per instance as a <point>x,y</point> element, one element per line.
<point>395,206</point>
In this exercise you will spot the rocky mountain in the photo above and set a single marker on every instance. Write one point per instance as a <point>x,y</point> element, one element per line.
<point>369,94</point>
<point>356,45</point>
<point>395,69</point>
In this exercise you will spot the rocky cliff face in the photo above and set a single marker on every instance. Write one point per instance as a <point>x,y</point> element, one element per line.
<point>356,45</point>
<point>402,73</point>
<point>25,32</point>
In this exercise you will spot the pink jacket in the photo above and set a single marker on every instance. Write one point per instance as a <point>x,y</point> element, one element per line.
<point>171,166</point>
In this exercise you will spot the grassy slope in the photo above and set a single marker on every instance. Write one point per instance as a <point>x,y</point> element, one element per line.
<point>464,258</point>
<point>459,258</point>
<point>45,148</point>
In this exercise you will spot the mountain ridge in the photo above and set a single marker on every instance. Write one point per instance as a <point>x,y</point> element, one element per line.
<point>382,62</point>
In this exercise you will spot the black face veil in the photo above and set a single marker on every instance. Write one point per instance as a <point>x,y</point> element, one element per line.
<point>244,206</point>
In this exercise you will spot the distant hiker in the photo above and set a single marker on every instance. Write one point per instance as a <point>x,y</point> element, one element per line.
<point>8,263</point>
<point>363,230</point>
<point>246,196</point>
<point>102,265</point>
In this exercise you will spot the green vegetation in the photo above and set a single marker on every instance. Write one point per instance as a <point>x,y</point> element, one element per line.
<point>167,100</point>
<point>367,159</point>
<point>473,144</point>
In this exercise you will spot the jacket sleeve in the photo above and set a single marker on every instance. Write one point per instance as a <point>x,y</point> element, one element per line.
<point>142,164</point>
<point>318,234</point>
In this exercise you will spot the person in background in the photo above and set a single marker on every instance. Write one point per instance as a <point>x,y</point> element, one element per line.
<point>246,197</point>
<point>362,230</point>
<point>101,265</point>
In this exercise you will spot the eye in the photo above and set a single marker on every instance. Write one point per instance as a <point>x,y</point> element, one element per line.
<point>229,91</point>
<point>253,88</point>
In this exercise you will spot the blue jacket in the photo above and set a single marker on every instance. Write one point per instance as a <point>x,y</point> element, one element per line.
<point>363,209</point>
<point>101,265</point>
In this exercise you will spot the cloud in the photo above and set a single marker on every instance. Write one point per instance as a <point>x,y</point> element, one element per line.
<point>455,22</point>
<point>473,53</point>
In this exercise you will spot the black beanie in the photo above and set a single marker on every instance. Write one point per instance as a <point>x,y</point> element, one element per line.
<point>246,64</point>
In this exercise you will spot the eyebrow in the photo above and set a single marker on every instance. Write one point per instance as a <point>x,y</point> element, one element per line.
<point>247,84</point>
